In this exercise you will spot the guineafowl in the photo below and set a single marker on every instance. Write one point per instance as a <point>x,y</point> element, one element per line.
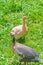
<point>21,30</point>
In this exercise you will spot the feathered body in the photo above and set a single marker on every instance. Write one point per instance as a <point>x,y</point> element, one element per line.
<point>25,53</point>
<point>20,31</point>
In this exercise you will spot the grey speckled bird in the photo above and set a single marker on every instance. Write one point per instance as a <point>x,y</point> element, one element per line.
<point>25,53</point>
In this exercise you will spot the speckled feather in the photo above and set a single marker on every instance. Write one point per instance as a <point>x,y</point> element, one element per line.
<point>25,52</point>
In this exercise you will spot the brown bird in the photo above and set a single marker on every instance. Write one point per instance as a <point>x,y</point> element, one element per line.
<point>25,53</point>
<point>20,31</point>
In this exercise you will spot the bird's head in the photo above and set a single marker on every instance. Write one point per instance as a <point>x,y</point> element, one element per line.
<point>24,18</point>
<point>12,33</point>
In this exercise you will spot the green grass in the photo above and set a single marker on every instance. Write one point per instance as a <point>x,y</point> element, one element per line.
<point>11,12</point>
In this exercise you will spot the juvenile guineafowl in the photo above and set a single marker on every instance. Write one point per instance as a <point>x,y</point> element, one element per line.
<point>20,31</point>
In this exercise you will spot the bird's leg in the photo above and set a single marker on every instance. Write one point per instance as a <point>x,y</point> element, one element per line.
<point>24,63</point>
<point>20,63</point>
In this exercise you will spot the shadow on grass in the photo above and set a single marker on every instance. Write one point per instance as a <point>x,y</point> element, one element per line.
<point>28,63</point>
<point>22,41</point>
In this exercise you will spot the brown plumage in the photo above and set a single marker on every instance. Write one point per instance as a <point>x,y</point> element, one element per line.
<point>20,31</point>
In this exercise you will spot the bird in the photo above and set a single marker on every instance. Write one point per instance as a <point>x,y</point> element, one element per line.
<point>24,53</point>
<point>21,30</point>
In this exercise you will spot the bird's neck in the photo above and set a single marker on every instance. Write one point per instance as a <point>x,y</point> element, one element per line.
<point>13,40</point>
<point>24,22</point>
<point>24,25</point>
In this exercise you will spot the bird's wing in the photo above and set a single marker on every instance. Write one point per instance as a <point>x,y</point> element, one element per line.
<point>18,53</point>
<point>26,51</point>
<point>17,28</point>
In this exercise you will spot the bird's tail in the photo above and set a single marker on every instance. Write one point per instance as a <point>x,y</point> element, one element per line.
<point>41,60</point>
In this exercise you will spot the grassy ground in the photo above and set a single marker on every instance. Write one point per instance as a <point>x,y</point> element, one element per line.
<point>11,12</point>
